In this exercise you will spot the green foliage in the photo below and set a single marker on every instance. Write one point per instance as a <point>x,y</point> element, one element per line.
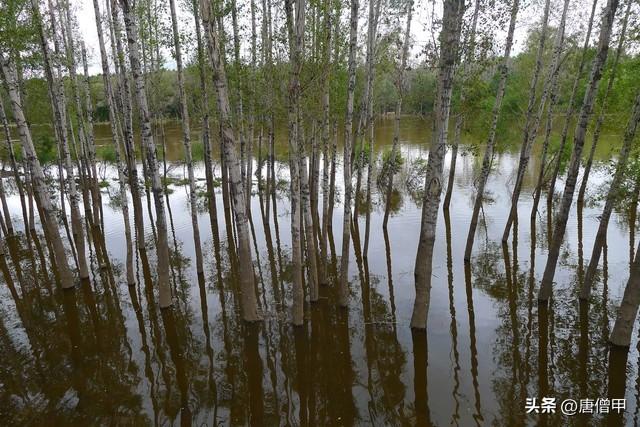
<point>197,151</point>
<point>565,155</point>
<point>106,153</point>
<point>362,154</point>
<point>416,172</point>
<point>391,165</point>
<point>421,92</point>
<point>46,149</point>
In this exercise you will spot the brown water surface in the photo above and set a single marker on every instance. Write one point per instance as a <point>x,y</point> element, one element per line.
<point>105,354</point>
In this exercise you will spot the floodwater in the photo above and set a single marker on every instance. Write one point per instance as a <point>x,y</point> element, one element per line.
<point>105,354</point>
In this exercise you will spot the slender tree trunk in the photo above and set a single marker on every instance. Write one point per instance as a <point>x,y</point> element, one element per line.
<point>532,122</point>
<point>553,100</point>
<point>249,301</point>
<point>238,89</point>
<point>295,28</point>
<point>612,197</point>
<point>334,147</point>
<point>628,311</point>
<point>488,153</point>
<point>126,108</point>
<point>95,189</point>
<point>394,160</point>
<point>50,221</point>
<point>116,136</point>
<point>364,122</point>
<point>325,141</point>
<point>570,108</point>
<point>449,45</point>
<point>26,167</point>
<point>309,237</point>
<point>374,13</point>
<point>84,135</point>
<point>578,144</point>
<point>7,224</point>
<point>206,135</point>
<point>268,107</point>
<point>346,162</point>
<point>468,64</point>
<point>252,113</point>
<point>15,169</point>
<point>603,107</point>
<point>186,135</point>
<point>56,89</point>
<point>162,246</point>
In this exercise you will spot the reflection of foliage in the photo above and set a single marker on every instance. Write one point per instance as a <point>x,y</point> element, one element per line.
<point>414,180</point>
<point>486,275</point>
<point>171,180</point>
<point>577,352</point>
<point>106,153</point>
<point>565,155</point>
<point>396,202</point>
<point>197,151</point>
<point>83,335</point>
<point>45,148</point>
<point>362,155</point>
<point>115,201</point>
<point>626,195</point>
<point>391,164</point>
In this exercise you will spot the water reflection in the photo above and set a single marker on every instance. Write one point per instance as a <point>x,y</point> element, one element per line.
<point>104,353</point>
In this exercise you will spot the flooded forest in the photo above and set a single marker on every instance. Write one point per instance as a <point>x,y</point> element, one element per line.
<point>319,212</point>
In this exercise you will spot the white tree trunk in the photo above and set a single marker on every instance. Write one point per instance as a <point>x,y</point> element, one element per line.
<point>186,135</point>
<point>628,311</point>
<point>603,106</point>
<point>578,144</point>
<point>56,90</point>
<point>346,162</point>
<point>612,197</point>
<point>50,219</point>
<point>249,301</point>
<point>116,137</point>
<point>571,107</point>
<point>491,141</point>
<point>162,246</point>
<point>449,43</point>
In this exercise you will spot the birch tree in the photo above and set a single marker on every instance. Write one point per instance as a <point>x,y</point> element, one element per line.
<point>603,106</point>
<point>532,122</point>
<point>491,141</point>
<point>85,134</point>
<point>249,302</point>
<point>628,310</point>
<point>186,137</point>
<point>295,49</point>
<point>40,191</point>
<point>117,139</point>
<point>449,44</point>
<point>346,162</point>
<point>470,50</point>
<point>162,245</point>
<point>206,131</point>
<point>571,106</point>
<point>326,135</point>
<point>124,104</point>
<point>560,223</point>
<point>612,197</point>
<point>14,168</point>
<point>56,90</point>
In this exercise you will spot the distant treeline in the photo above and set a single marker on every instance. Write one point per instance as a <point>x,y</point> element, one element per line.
<point>420,83</point>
